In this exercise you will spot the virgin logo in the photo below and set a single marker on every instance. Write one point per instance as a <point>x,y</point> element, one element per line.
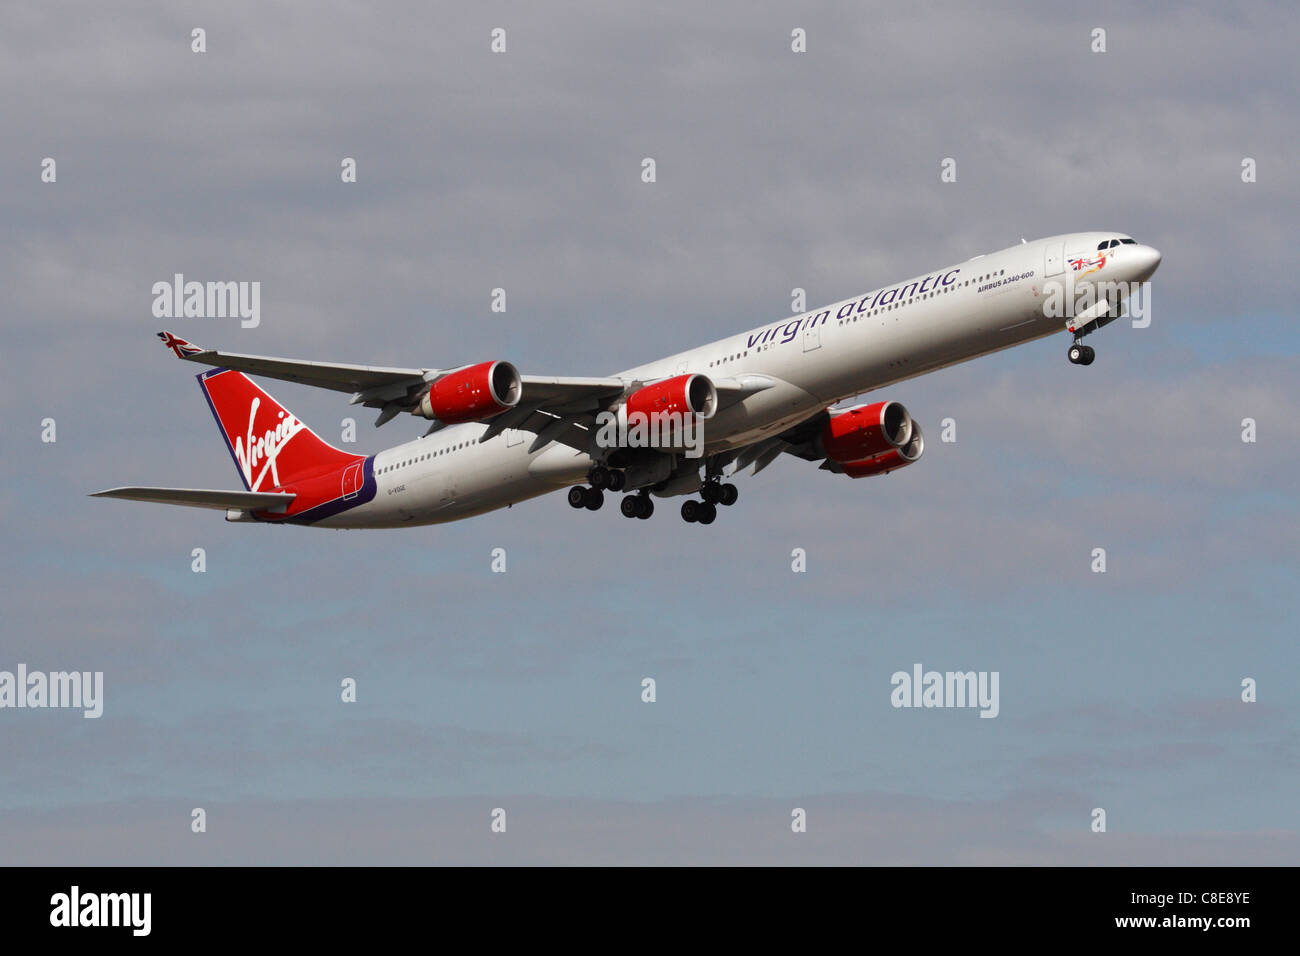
<point>265,449</point>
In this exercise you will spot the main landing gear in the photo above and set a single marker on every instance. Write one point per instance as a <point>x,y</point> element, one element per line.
<point>601,478</point>
<point>589,498</point>
<point>714,493</point>
<point>1080,354</point>
<point>637,506</point>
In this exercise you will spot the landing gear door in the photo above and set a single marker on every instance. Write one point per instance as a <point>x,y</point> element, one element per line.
<point>1054,259</point>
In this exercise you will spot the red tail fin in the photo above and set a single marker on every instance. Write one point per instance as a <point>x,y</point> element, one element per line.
<point>271,447</point>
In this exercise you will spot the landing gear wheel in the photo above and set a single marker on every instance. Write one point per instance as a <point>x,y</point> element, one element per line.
<point>691,510</point>
<point>1076,354</point>
<point>729,495</point>
<point>647,507</point>
<point>1088,355</point>
<point>594,499</point>
<point>630,506</point>
<point>577,497</point>
<point>711,492</point>
<point>617,480</point>
<point>598,477</point>
<point>708,511</point>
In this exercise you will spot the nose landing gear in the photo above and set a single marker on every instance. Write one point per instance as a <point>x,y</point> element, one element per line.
<point>1081,354</point>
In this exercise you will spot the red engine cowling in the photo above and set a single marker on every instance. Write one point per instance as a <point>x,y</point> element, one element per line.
<point>887,461</point>
<point>472,394</point>
<point>855,434</point>
<point>685,394</point>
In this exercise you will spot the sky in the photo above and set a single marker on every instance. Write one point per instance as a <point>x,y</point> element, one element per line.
<point>522,691</point>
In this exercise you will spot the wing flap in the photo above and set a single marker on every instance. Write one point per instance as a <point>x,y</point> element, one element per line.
<point>203,498</point>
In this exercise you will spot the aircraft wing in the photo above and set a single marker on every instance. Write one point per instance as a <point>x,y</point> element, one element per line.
<point>564,409</point>
<point>341,378</point>
<point>554,408</point>
<point>802,441</point>
<point>399,389</point>
<point>561,393</point>
<point>796,440</point>
<point>204,498</point>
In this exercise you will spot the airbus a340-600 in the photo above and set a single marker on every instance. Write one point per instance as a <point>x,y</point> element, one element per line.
<point>498,437</point>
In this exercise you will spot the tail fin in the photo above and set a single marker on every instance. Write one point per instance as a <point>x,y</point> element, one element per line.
<point>271,447</point>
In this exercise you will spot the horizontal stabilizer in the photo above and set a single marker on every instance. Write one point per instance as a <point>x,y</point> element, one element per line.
<point>204,498</point>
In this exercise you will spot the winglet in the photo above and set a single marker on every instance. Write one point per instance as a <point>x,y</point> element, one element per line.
<point>179,345</point>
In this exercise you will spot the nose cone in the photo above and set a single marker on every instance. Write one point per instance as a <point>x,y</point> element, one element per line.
<point>1146,261</point>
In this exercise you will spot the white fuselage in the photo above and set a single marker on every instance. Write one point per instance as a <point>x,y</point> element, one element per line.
<point>818,358</point>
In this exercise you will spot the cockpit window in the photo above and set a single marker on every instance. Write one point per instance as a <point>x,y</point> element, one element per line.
<point>1129,242</point>
<point>1103,245</point>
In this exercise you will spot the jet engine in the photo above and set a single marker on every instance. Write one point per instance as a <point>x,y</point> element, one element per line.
<point>871,439</point>
<point>887,461</point>
<point>684,394</point>
<point>865,431</point>
<point>472,394</point>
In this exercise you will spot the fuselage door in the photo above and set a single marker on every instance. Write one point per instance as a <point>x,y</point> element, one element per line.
<point>812,337</point>
<point>1054,259</point>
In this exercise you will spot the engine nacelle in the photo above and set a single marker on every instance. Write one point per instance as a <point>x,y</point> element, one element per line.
<point>886,462</point>
<point>472,394</point>
<point>865,431</point>
<point>667,415</point>
<point>683,395</point>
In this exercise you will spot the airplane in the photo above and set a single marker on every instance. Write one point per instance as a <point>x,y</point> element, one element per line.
<point>498,438</point>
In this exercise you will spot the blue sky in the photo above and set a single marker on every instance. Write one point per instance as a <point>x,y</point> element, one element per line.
<point>522,689</point>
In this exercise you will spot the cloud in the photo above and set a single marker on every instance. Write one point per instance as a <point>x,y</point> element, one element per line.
<point>817,171</point>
